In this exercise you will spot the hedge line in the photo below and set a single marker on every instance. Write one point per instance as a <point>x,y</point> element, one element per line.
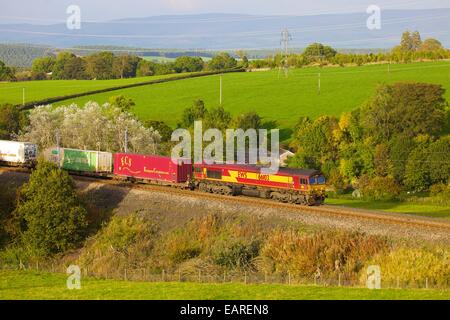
<point>31,105</point>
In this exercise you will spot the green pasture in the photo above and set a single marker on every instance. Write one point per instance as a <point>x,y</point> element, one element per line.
<point>272,95</point>
<point>12,92</point>
<point>34,285</point>
<point>420,209</point>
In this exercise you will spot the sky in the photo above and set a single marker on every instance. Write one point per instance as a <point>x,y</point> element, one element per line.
<point>54,11</point>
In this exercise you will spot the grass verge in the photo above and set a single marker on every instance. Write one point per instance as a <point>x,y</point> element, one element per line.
<point>34,285</point>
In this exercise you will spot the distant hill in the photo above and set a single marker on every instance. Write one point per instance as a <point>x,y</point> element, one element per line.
<point>233,31</point>
<point>22,55</point>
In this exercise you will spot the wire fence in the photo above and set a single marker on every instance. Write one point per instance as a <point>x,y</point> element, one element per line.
<point>287,278</point>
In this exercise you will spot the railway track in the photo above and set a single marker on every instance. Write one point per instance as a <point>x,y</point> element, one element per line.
<point>369,215</point>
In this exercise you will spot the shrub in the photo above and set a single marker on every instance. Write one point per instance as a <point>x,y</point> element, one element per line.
<point>7,199</point>
<point>330,251</point>
<point>180,246</point>
<point>50,215</point>
<point>440,193</point>
<point>237,255</point>
<point>412,266</point>
<point>126,241</point>
<point>380,188</point>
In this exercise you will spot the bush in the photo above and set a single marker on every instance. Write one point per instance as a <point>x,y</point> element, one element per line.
<point>440,193</point>
<point>49,214</point>
<point>7,205</point>
<point>125,242</point>
<point>237,255</point>
<point>180,246</point>
<point>379,188</point>
<point>329,251</point>
<point>412,266</point>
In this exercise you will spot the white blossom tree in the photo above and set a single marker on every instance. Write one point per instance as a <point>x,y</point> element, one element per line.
<point>92,127</point>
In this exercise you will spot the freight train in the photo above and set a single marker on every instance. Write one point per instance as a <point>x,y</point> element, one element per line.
<point>299,186</point>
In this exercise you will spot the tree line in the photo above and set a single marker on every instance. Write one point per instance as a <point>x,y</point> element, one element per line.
<point>105,66</point>
<point>398,141</point>
<point>411,48</point>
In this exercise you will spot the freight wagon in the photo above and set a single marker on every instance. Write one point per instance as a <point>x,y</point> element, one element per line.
<point>288,185</point>
<point>81,160</point>
<point>18,153</point>
<point>155,169</point>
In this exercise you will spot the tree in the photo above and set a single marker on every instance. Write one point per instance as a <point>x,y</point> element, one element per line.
<point>145,69</point>
<point>218,118</point>
<point>92,127</point>
<point>317,51</point>
<point>10,121</point>
<point>188,64</point>
<point>411,41</point>
<point>222,61</point>
<point>405,108</point>
<point>243,56</point>
<point>400,147</point>
<point>68,66</point>
<point>382,162</point>
<point>249,120</point>
<point>43,65</point>
<point>100,66</point>
<point>406,43</point>
<point>125,66</point>
<point>163,129</point>
<point>428,163</point>
<point>51,217</point>
<point>417,173</point>
<point>430,45</point>
<point>123,103</point>
<point>438,160</point>
<point>315,141</point>
<point>416,41</point>
<point>196,112</point>
<point>6,73</point>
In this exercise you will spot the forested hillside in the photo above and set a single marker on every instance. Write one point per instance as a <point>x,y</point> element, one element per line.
<point>22,55</point>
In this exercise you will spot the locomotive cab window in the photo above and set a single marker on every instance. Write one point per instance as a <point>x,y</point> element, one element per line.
<point>214,174</point>
<point>303,181</point>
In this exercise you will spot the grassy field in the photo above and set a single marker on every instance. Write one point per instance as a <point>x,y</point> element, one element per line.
<point>11,92</point>
<point>421,209</point>
<point>34,285</point>
<point>275,97</point>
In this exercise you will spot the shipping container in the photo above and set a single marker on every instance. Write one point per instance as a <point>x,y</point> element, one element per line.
<point>18,152</point>
<point>81,160</point>
<point>154,168</point>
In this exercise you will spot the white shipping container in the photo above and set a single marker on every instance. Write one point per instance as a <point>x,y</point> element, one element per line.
<point>17,152</point>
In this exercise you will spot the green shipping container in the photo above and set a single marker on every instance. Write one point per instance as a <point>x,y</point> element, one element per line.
<point>82,160</point>
<point>76,160</point>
